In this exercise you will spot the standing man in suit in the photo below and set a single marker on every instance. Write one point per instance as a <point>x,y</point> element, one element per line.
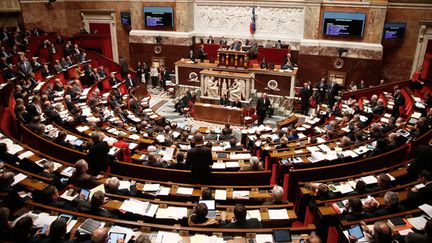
<point>321,91</point>
<point>201,53</point>
<point>191,55</point>
<point>305,94</point>
<point>97,157</point>
<point>25,68</point>
<point>199,160</point>
<point>399,100</point>
<point>164,76</point>
<point>332,91</point>
<point>262,107</point>
<point>224,100</point>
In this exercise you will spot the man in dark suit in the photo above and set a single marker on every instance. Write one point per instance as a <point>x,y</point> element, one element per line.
<point>129,81</point>
<point>97,157</point>
<point>423,153</point>
<point>191,55</point>
<point>94,207</point>
<point>262,107</point>
<point>399,100</point>
<point>321,91</point>
<point>240,220</point>
<point>333,91</point>
<point>112,186</point>
<point>305,94</point>
<point>52,198</point>
<point>164,76</point>
<point>199,160</point>
<point>421,238</point>
<point>9,73</point>
<point>201,53</point>
<point>423,195</point>
<point>113,80</point>
<point>45,71</point>
<point>234,146</point>
<point>48,171</point>
<point>237,103</point>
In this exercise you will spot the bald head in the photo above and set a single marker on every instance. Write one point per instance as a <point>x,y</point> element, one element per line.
<point>100,235</point>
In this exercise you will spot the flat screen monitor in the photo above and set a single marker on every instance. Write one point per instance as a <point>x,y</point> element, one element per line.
<point>125,18</point>
<point>394,30</point>
<point>158,17</point>
<point>343,24</point>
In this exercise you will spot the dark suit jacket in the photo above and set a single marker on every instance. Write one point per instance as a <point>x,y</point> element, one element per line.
<point>130,83</point>
<point>424,195</point>
<point>85,207</point>
<point>417,238</point>
<point>249,223</point>
<point>199,160</point>
<point>83,181</point>
<point>224,101</point>
<point>262,106</point>
<point>97,157</point>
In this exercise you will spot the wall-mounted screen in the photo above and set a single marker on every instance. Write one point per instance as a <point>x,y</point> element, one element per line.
<point>394,30</point>
<point>125,18</point>
<point>343,24</point>
<point>158,17</point>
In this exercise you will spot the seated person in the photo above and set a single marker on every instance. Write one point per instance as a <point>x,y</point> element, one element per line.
<point>239,220</point>
<point>277,196</point>
<point>5,156</point>
<point>420,196</point>
<point>263,64</point>
<point>234,146</point>
<point>322,191</point>
<point>112,186</point>
<point>206,194</point>
<point>94,207</point>
<point>294,135</point>
<point>22,230</point>
<point>199,217</point>
<point>254,165</point>
<point>354,210</point>
<point>380,148</point>
<point>287,62</point>
<point>421,238</point>
<point>283,143</point>
<point>391,205</point>
<point>57,232</point>
<point>48,170</point>
<point>384,183</point>
<point>225,135</point>
<point>80,178</point>
<point>50,196</point>
<point>180,162</point>
<point>212,135</point>
<point>381,232</point>
<point>154,161</point>
<point>13,200</point>
<point>5,224</point>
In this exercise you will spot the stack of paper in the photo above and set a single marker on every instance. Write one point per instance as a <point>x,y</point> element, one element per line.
<point>18,178</point>
<point>220,194</point>
<point>184,191</point>
<point>139,207</point>
<point>369,179</point>
<point>253,214</point>
<point>275,214</point>
<point>172,213</point>
<point>241,194</point>
<point>151,187</point>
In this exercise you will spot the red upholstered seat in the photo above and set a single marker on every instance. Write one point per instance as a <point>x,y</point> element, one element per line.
<point>44,53</point>
<point>106,85</point>
<point>333,235</point>
<point>56,56</point>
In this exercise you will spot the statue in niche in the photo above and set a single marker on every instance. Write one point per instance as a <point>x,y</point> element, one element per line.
<point>212,88</point>
<point>237,90</point>
<point>224,88</point>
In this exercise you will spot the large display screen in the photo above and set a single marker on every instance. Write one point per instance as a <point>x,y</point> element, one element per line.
<point>343,24</point>
<point>158,16</point>
<point>394,30</point>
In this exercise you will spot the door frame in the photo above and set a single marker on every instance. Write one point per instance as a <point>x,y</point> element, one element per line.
<point>103,17</point>
<point>425,35</point>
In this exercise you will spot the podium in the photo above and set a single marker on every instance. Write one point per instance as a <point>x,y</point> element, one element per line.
<point>232,58</point>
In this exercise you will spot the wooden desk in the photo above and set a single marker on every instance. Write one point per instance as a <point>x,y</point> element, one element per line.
<point>218,114</point>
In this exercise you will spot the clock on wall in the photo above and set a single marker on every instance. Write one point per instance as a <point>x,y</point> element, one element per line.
<point>338,63</point>
<point>157,49</point>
